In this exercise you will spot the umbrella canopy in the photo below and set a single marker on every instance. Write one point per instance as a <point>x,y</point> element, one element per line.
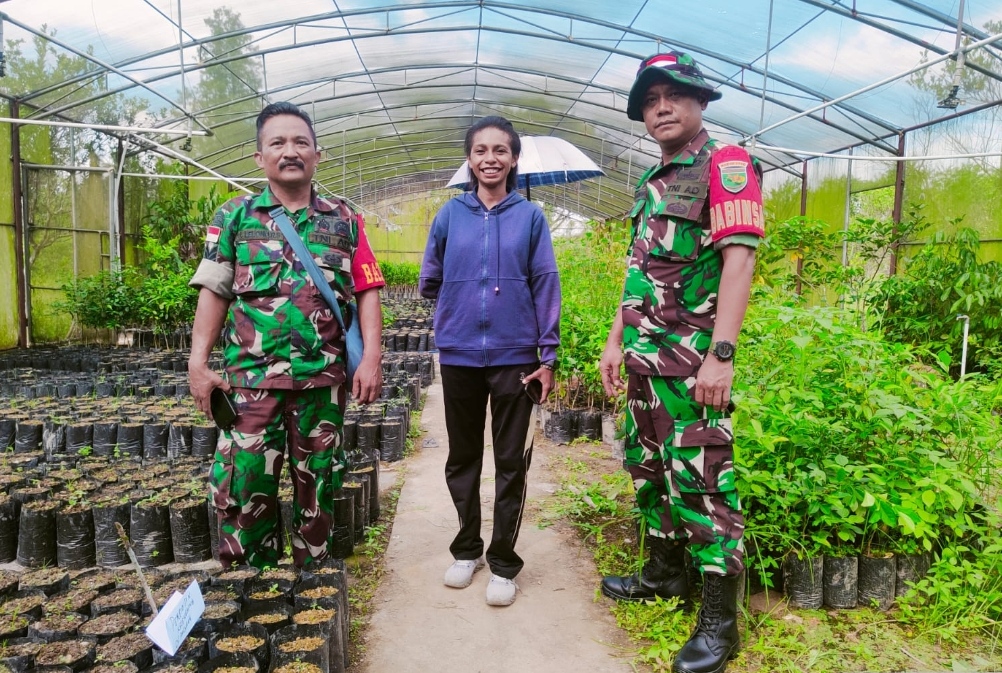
<point>545,160</point>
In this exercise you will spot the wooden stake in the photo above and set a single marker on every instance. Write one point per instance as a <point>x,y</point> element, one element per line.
<point>135,562</point>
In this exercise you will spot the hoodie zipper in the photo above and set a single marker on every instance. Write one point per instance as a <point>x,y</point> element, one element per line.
<point>483,287</point>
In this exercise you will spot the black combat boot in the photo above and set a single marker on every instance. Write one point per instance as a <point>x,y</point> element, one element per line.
<point>715,639</point>
<point>663,575</point>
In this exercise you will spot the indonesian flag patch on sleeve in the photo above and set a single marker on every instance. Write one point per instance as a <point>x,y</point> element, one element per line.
<point>735,195</point>
<point>212,233</point>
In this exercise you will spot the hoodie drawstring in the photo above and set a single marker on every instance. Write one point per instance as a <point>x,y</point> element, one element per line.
<point>497,265</point>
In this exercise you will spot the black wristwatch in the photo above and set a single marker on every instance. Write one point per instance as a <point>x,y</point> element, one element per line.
<point>723,350</point>
<point>548,364</point>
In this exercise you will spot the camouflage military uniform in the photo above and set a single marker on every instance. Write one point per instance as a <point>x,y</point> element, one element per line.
<point>283,357</point>
<point>679,453</point>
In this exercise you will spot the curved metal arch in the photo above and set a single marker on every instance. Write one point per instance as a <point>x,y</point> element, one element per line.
<point>614,130</point>
<point>450,101</point>
<point>900,34</point>
<point>445,118</point>
<point>483,3</point>
<point>622,180</point>
<point>93,59</point>
<point>434,144</point>
<point>396,149</point>
<point>945,19</point>
<point>696,49</point>
<point>608,204</point>
<point>461,68</point>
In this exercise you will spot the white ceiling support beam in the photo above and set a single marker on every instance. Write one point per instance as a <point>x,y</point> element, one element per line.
<point>888,159</point>
<point>93,59</point>
<point>112,128</point>
<point>875,85</point>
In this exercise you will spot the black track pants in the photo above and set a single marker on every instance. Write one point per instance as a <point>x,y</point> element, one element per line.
<point>466,391</point>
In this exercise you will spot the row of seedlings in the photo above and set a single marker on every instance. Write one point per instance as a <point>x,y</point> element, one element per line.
<point>120,373</point>
<point>412,328</point>
<point>845,582</point>
<point>64,515</point>
<point>253,619</point>
<point>563,426</point>
<point>128,427</point>
<point>67,517</point>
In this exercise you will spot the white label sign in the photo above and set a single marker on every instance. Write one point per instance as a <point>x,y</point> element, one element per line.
<point>175,621</point>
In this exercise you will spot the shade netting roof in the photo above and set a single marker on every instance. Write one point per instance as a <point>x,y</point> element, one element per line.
<point>392,86</point>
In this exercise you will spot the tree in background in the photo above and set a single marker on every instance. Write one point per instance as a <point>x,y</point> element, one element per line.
<point>59,205</point>
<point>45,65</point>
<point>175,218</point>
<point>227,94</point>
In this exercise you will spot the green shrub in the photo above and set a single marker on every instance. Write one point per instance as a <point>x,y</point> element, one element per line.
<point>847,443</point>
<point>106,300</point>
<point>167,303</point>
<point>400,273</point>
<point>944,279</point>
<point>592,270</point>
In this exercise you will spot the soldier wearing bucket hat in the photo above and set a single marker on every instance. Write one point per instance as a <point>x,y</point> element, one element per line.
<point>675,66</point>
<point>696,221</point>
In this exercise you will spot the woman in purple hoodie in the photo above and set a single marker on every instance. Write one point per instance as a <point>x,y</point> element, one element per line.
<point>490,264</point>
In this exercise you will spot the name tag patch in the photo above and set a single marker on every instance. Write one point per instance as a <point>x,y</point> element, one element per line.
<point>259,235</point>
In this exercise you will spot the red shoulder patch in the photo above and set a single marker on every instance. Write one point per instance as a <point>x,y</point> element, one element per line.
<point>735,195</point>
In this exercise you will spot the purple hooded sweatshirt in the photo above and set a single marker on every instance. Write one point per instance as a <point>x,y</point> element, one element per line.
<point>493,309</point>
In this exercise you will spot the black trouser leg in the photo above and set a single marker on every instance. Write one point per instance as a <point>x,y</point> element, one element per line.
<point>465,391</point>
<point>511,413</point>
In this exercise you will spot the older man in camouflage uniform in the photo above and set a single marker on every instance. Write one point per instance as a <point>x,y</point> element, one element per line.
<point>696,222</point>
<point>283,351</point>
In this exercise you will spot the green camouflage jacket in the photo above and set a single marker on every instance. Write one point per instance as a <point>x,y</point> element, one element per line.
<point>681,217</point>
<point>279,332</point>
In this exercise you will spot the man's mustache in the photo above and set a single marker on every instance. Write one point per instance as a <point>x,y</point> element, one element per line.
<point>293,162</point>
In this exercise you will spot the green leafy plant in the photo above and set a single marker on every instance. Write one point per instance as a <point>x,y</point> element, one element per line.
<point>943,279</point>
<point>400,273</point>
<point>106,300</point>
<point>592,269</point>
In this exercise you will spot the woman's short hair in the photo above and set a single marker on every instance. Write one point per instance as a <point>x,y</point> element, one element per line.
<point>503,125</point>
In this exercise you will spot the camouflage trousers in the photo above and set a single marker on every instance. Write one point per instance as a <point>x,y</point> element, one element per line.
<point>681,459</point>
<point>244,477</point>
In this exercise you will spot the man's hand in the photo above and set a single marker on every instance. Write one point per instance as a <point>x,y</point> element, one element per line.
<point>611,367</point>
<point>368,382</point>
<point>545,377</point>
<point>713,383</point>
<point>202,381</point>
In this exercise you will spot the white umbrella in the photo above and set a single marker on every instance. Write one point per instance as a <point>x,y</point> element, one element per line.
<point>545,160</point>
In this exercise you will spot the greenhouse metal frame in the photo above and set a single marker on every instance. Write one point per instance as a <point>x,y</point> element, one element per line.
<point>811,87</point>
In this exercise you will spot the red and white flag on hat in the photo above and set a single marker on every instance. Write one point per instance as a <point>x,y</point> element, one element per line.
<point>662,60</point>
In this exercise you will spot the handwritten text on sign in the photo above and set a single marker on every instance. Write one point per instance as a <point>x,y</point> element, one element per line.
<point>175,621</point>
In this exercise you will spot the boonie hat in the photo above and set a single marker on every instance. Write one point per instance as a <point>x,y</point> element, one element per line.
<point>677,66</point>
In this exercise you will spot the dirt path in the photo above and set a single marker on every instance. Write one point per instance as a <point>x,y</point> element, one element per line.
<point>421,626</point>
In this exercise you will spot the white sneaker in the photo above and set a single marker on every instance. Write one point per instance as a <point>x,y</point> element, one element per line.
<point>501,591</point>
<point>460,573</point>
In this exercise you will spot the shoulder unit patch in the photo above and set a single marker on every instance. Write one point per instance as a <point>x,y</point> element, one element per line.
<point>733,175</point>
